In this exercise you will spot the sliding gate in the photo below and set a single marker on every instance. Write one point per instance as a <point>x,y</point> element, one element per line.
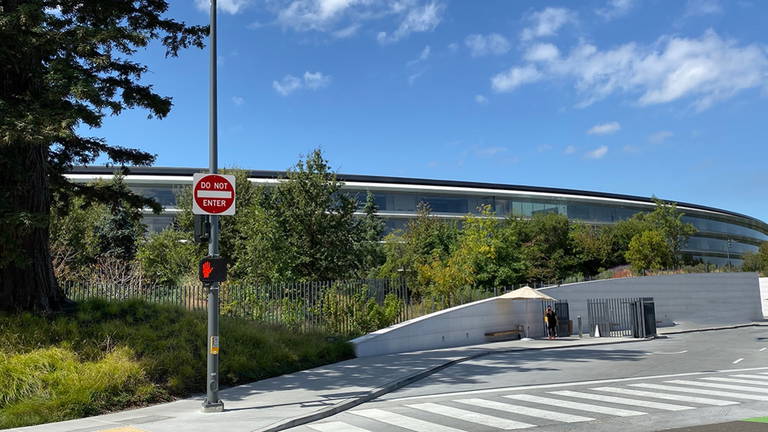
<point>617,317</point>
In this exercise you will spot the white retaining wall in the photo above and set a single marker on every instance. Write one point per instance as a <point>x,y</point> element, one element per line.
<point>689,299</point>
<point>764,295</point>
<point>457,326</point>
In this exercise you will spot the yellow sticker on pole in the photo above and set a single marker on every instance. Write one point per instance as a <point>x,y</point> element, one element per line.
<point>214,345</point>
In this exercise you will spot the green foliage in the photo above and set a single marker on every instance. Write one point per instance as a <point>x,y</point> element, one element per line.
<point>757,262</point>
<point>372,226</point>
<point>649,250</point>
<point>303,228</point>
<point>132,352</point>
<point>168,256</point>
<point>62,73</point>
<point>425,238</point>
<point>366,315</point>
<point>546,247</point>
<point>118,232</point>
<point>54,384</point>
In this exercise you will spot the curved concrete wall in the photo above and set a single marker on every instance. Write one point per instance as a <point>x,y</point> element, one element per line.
<point>690,300</point>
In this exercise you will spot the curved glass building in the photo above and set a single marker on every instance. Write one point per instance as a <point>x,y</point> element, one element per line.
<point>723,236</point>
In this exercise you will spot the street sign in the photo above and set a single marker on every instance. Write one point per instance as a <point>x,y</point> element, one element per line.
<point>213,269</point>
<point>213,194</point>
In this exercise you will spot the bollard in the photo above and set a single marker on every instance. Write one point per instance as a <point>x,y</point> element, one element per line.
<point>578,318</point>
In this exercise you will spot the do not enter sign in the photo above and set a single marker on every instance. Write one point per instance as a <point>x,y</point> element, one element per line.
<point>213,194</point>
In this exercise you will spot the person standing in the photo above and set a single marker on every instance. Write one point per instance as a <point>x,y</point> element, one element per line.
<point>550,318</point>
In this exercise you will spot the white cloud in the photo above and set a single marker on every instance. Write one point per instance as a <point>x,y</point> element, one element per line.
<point>418,19</point>
<point>305,15</point>
<point>659,137</point>
<point>231,7</point>
<point>346,32</point>
<point>703,7</point>
<point>542,52</point>
<point>238,100</point>
<point>514,77</point>
<point>616,9</point>
<point>543,148</point>
<point>597,153</point>
<point>287,85</point>
<point>490,151</point>
<point>481,99</point>
<point>316,80</point>
<point>310,80</point>
<point>605,129</point>
<point>423,56</point>
<point>547,22</point>
<point>570,149</point>
<point>707,69</point>
<point>491,44</point>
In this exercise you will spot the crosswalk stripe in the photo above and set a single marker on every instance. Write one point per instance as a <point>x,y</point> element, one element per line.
<point>702,391</point>
<point>575,405</point>
<point>402,421</point>
<point>472,417</point>
<point>336,427</point>
<point>736,380</point>
<point>667,396</point>
<point>623,401</point>
<point>720,386</point>
<point>760,377</point>
<point>524,410</point>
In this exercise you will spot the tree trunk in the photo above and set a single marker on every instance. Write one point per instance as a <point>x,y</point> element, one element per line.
<point>27,282</point>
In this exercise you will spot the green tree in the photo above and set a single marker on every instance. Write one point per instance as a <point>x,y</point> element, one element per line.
<point>167,256</point>
<point>66,64</point>
<point>74,244</point>
<point>757,262</point>
<point>372,227</point>
<point>119,231</point>
<point>303,228</point>
<point>425,237</point>
<point>649,250</point>
<point>667,219</point>
<point>546,247</point>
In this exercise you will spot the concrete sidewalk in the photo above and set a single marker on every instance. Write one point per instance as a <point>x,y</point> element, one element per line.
<point>289,400</point>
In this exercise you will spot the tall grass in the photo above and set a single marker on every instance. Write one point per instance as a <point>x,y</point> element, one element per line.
<point>107,356</point>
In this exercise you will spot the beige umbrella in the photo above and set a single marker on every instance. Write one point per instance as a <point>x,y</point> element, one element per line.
<point>526,293</point>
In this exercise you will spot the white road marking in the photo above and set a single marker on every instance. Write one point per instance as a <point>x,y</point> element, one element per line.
<point>736,380</point>
<point>719,386</point>
<point>524,410</point>
<point>763,349</point>
<point>667,396</point>
<point>668,353</point>
<point>576,405</point>
<point>402,421</point>
<point>472,417</point>
<point>623,401</point>
<point>591,382</point>
<point>759,377</point>
<point>702,391</point>
<point>336,427</point>
<point>738,360</point>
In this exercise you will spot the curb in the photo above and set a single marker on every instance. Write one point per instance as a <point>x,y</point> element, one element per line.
<point>402,382</point>
<point>705,329</point>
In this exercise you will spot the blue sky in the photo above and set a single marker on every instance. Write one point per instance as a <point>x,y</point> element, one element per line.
<point>655,97</point>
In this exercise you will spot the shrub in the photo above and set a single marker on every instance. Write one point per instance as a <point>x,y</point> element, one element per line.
<point>111,355</point>
<point>167,256</point>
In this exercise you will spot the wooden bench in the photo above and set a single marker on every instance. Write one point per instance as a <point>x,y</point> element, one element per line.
<point>502,333</point>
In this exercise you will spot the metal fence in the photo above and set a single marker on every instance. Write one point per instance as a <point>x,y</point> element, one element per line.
<point>347,307</point>
<point>617,317</point>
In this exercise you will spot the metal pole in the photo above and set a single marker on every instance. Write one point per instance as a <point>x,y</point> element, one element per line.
<point>212,402</point>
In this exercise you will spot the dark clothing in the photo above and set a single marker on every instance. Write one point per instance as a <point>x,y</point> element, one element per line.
<point>551,318</point>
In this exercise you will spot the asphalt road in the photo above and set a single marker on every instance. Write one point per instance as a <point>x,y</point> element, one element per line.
<point>674,382</point>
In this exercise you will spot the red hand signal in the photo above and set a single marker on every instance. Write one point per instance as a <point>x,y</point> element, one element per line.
<point>207,269</point>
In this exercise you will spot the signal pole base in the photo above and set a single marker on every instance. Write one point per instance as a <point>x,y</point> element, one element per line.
<point>212,407</point>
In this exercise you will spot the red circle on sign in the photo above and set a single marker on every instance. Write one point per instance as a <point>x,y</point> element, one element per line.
<point>214,194</point>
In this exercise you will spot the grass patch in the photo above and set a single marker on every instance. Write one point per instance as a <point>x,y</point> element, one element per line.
<point>107,356</point>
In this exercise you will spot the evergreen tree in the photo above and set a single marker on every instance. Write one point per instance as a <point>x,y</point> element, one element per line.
<point>65,64</point>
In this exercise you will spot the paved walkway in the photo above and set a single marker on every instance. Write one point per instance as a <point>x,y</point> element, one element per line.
<point>281,402</point>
